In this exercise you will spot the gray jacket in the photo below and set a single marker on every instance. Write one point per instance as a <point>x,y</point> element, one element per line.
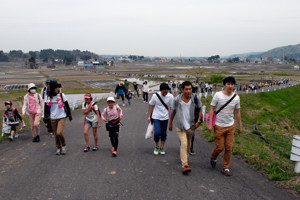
<point>177,110</point>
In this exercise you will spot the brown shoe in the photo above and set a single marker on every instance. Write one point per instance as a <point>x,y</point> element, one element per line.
<point>186,170</point>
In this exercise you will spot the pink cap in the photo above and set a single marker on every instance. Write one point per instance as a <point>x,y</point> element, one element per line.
<point>88,96</point>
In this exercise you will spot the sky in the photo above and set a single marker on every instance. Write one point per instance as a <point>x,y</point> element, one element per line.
<point>150,27</point>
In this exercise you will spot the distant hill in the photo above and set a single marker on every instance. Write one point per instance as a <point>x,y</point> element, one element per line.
<point>243,55</point>
<point>290,51</point>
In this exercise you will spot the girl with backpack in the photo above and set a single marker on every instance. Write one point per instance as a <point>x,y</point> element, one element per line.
<point>91,119</point>
<point>34,107</point>
<point>112,115</point>
<point>58,110</point>
<point>11,117</point>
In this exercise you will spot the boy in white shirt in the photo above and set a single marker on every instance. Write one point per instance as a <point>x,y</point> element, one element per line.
<point>225,127</point>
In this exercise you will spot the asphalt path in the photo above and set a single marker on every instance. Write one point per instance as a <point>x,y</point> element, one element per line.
<point>33,171</point>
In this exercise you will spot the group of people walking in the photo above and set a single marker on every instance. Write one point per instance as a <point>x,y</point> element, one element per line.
<point>52,105</point>
<point>185,111</point>
<point>165,111</point>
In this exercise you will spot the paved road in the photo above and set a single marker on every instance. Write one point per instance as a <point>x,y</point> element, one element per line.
<point>33,171</point>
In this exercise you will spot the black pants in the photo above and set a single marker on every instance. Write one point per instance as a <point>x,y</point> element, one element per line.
<point>137,92</point>
<point>49,126</point>
<point>145,96</point>
<point>192,142</point>
<point>114,137</point>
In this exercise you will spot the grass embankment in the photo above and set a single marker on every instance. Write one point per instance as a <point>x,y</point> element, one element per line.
<point>274,112</point>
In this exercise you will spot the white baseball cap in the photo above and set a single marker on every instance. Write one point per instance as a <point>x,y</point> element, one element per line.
<point>110,99</point>
<point>31,85</point>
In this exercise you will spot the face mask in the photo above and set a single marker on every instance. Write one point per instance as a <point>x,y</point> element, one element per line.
<point>33,91</point>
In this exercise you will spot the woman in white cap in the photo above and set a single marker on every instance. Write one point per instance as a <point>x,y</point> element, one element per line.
<point>112,115</point>
<point>34,107</point>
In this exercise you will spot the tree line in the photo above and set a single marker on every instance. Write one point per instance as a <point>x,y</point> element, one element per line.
<point>48,55</point>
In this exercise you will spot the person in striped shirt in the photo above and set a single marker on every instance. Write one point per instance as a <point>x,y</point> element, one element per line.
<point>225,127</point>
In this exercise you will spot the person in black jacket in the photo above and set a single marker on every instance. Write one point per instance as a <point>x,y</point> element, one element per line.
<point>58,110</point>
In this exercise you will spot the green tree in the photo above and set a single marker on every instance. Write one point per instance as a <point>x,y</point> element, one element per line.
<point>67,60</point>
<point>85,57</point>
<point>16,54</point>
<point>3,57</point>
<point>216,78</point>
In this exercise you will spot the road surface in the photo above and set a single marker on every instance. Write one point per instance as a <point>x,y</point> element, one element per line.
<point>33,171</point>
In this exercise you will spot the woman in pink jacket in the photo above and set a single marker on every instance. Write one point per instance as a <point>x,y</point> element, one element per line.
<point>34,107</point>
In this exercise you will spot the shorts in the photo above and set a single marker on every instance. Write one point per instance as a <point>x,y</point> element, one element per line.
<point>91,124</point>
<point>13,126</point>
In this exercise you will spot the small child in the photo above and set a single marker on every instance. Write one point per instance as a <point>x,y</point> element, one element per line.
<point>11,117</point>
<point>129,96</point>
<point>92,119</point>
<point>112,115</point>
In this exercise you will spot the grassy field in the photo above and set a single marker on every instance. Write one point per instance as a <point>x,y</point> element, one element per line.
<point>273,112</point>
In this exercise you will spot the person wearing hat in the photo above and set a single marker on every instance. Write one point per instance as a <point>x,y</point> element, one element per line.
<point>45,95</point>
<point>112,115</point>
<point>34,107</point>
<point>11,116</point>
<point>120,91</point>
<point>58,110</point>
<point>91,119</point>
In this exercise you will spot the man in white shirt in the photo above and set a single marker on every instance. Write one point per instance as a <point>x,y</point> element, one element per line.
<point>159,110</point>
<point>225,127</point>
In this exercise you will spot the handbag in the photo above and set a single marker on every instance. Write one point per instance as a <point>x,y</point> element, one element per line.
<point>150,131</point>
<point>215,113</point>
<point>112,124</point>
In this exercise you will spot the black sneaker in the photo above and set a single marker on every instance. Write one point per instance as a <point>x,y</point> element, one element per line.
<point>226,172</point>
<point>192,153</point>
<point>95,148</point>
<point>213,162</point>
<point>86,148</point>
<point>38,138</point>
<point>34,139</point>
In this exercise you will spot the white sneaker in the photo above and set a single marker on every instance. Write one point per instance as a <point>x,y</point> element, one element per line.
<point>162,151</point>
<point>63,150</point>
<point>57,151</point>
<point>11,138</point>
<point>16,136</point>
<point>156,151</point>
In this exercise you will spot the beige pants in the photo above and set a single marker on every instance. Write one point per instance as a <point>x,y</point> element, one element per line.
<point>185,137</point>
<point>58,126</point>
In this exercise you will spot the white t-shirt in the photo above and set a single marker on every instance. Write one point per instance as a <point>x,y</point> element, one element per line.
<point>146,88</point>
<point>56,111</point>
<point>159,111</point>
<point>186,118</point>
<point>91,116</point>
<point>225,116</point>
